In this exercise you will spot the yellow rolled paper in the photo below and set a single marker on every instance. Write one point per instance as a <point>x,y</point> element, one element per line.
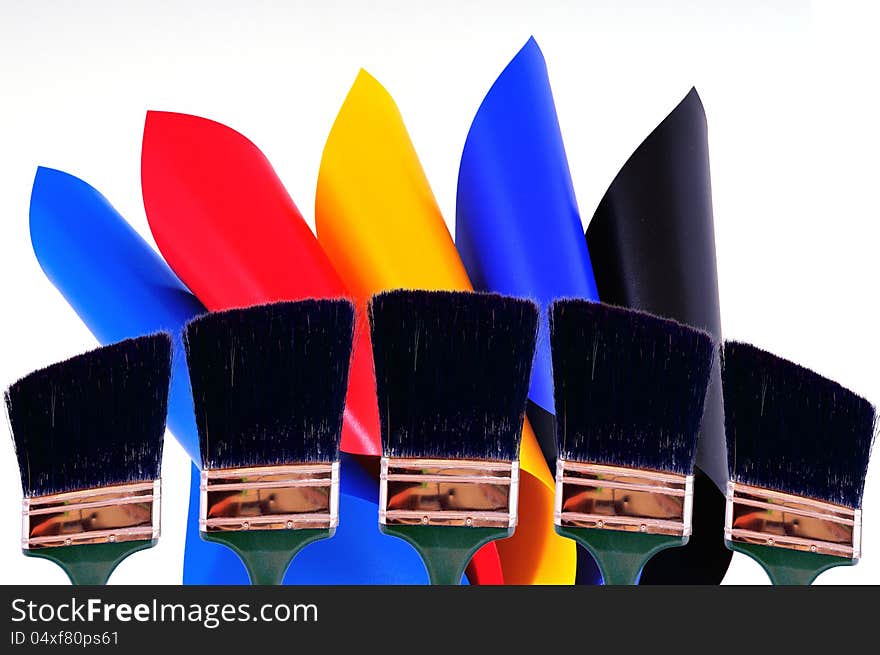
<point>378,221</point>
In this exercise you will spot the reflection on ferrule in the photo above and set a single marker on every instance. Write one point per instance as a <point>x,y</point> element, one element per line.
<point>623,499</point>
<point>450,492</point>
<point>112,514</point>
<point>284,497</point>
<point>755,515</point>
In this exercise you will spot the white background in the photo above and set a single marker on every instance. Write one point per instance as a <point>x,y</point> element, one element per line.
<point>790,92</point>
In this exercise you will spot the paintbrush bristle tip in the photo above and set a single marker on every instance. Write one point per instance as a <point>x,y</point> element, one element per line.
<point>793,430</point>
<point>269,382</point>
<point>452,372</point>
<point>94,420</point>
<point>629,386</point>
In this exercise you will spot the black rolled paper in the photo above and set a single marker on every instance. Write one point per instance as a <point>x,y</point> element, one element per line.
<point>652,245</point>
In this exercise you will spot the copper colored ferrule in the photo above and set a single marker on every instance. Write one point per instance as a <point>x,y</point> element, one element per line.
<point>117,513</point>
<point>623,499</point>
<point>287,497</point>
<point>755,515</point>
<point>452,492</point>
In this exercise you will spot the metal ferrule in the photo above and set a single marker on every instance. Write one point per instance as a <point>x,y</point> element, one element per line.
<point>469,493</point>
<point>623,499</point>
<point>287,497</point>
<point>755,515</point>
<point>117,513</point>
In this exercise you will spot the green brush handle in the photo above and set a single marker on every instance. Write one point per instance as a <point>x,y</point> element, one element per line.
<point>90,564</point>
<point>267,554</point>
<point>621,556</point>
<point>445,550</point>
<point>789,567</point>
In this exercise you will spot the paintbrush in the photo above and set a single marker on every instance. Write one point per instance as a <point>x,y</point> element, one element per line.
<point>798,448</point>
<point>269,386</point>
<point>629,391</point>
<point>452,376</point>
<point>88,437</point>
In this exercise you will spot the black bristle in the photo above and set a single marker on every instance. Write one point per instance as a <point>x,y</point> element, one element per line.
<point>452,372</point>
<point>95,420</point>
<point>792,430</point>
<point>269,382</point>
<point>629,386</point>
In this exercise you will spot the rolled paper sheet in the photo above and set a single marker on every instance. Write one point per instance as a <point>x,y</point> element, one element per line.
<point>114,281</point>
<point>517,225</point>
<point>652,244</point>
<point>378,221</point>
<point>226,225</point>
<point>120,287</point>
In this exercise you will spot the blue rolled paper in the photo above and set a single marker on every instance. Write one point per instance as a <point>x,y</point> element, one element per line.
<point>121,288</point>
<point>517,225</point>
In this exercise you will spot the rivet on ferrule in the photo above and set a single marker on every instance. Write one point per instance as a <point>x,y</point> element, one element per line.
<point>450,492</point>
<point>756,515</point>
<point>115,513</point>
<point>623,499</point>
<point>285,497</point>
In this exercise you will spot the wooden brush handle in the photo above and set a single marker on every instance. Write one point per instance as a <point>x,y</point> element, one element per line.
<point>621,556</point>
<point>90,564</point>
<point>267,554</point>
<point>789,567</point>
<point>445,550</point>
